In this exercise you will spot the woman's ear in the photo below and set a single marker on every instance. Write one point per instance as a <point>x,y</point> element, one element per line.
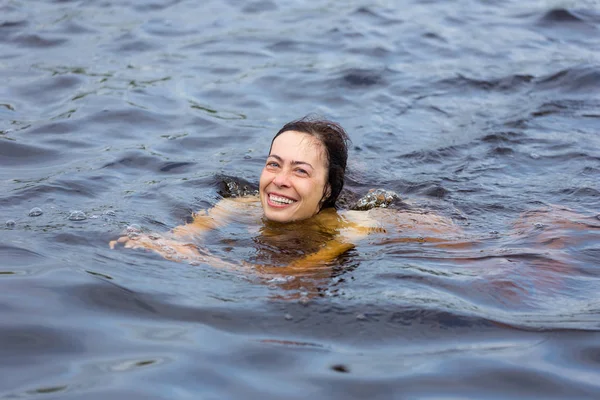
<point>326,194</point>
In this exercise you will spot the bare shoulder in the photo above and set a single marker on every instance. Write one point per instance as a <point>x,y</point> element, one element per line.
<point>242,209</point>
<point>232,205</point>
<point>361,219</point>
<point>416,221</point>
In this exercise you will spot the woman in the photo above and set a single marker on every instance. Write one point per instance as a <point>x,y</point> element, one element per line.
<point>300,230</point>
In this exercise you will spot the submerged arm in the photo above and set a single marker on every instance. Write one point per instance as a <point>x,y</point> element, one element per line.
<point>175,245</point>
<point>215,217</point>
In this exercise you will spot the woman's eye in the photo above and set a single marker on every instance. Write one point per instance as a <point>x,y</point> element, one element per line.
<point>272,164</point>
<point>302,171</point>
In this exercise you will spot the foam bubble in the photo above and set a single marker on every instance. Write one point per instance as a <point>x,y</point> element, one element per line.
<point>77,215</point>
<point>10,223</point>
<point>35,212</point>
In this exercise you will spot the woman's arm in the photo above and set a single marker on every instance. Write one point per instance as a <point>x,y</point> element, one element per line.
<point>215,217</point>
<point>177,245</point>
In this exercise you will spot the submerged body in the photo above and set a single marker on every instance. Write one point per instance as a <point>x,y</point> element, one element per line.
<point>294,221</point>
<point>306,245</point>
<point>302,256</point>
<point>292,227</point>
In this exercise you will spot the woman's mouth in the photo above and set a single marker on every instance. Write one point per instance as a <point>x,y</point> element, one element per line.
<point>279,201</point>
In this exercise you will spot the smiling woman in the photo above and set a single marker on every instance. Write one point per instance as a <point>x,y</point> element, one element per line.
<point>294,180</point>
<point>299,186</point>
<point>304,171</point>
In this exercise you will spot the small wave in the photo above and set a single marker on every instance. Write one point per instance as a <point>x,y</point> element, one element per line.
<point>429,189</point>
<point>9,25</point>
<point>72,27</point>
<point>129,116</point>
<point>581,191</point>
<point>135,46</point>
<point>138,160</point>
<point>64,127</point>
<point>503,137</point>
<point>501,151</point>
<point>433,156</point>
<point>154,5</point>
<point>30,340</point>
<point>256,7</point>
<point>507,83</point>
<point>164,28</point>
<point>14,256</point>
<point>15,153</point>
<point>569,107</point>
<point>378,18</point>
<point>50,91</point>
<point>37,41</point>
<point>361,78</point>
<point>579,79</point>
<point>176,166</point>
<point>561,15</point>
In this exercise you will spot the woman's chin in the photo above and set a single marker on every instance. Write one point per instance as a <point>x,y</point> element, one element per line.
<point>278,216</point>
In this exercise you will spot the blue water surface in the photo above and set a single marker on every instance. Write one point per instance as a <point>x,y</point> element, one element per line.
<point>116,113</point>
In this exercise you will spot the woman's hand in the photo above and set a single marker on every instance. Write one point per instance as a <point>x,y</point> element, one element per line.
<point>167,247</point>
<point>171,247</point>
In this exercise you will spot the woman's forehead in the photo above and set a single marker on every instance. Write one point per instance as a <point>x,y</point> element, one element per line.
<point>293,144</point>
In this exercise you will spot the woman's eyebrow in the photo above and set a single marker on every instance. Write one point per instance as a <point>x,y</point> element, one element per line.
<point>293,162</point>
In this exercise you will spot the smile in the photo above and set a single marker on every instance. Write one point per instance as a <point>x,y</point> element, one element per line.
<point>279,200</point>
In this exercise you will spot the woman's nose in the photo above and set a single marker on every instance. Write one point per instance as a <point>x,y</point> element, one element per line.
<point>282,179</point>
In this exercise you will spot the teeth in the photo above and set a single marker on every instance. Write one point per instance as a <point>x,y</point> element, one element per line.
<point>278,199</point>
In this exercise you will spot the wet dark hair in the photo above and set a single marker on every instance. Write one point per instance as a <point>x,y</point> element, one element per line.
<point>335,142</point>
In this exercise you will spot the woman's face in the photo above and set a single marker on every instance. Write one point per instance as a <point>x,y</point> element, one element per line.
<point>293,180</point>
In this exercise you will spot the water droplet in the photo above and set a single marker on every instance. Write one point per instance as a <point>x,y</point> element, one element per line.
<point>77,215</point>
<point>110,213</point>
<point>305,301</point>
<point>535,156</point>
<point>94,217</point>
<point>288,317</point>
<point>10,223</point>
<point>35,212</point>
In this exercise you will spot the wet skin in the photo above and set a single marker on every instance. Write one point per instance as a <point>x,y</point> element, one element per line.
<point>344,229</point>
<point>294,178</point>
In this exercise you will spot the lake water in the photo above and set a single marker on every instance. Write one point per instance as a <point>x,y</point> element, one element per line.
<point>115,113</point>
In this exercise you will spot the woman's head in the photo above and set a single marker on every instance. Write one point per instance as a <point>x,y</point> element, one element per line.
<point>305,169</point>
